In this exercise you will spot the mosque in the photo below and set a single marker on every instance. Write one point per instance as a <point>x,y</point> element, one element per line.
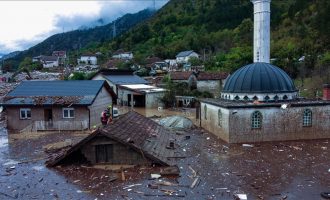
<point>260,102</point>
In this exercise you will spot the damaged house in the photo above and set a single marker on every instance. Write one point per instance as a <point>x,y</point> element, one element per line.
<point>132,139</point>
<point>56,105</point>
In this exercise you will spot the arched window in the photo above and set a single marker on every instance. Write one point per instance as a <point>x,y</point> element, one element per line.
<point>255,98</point>
<point>205,112</point>
<point>307,118</point>
<point>237,98</point>
<point>219,118</point>
<point>246,98</point>
<point>256,119</point>
<point>285,97</point>
<point>276,98</point>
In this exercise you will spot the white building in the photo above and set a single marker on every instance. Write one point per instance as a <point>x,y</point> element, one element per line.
<point>140,95</point>
<point>89,59</point>
<point>184,56</point>
<point>47,61</point>
<point>123,55</point>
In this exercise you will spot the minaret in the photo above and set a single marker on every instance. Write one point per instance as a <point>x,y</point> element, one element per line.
<point>261,40</point>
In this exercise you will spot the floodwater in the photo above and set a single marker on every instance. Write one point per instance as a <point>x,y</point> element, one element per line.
<point>274,170</point>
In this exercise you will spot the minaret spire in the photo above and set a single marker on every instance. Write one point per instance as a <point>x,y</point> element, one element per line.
<point>261,41</point>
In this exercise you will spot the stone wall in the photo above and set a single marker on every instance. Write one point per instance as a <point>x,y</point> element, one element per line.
<point>212,86</point>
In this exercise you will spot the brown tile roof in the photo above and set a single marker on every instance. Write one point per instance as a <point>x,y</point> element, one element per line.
<point>140,133</point>
<point>201,75</point>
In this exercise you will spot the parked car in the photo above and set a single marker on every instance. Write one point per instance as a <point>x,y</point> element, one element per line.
<point>115,112</point>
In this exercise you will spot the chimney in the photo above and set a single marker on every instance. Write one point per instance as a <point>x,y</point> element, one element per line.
<point>326,92</point>
<point>261,35</point>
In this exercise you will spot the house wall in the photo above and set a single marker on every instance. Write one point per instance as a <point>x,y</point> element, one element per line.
<point>122,96</point>
<point>101,77</point>
<point>277,124</point>
<point>50,64</point>
<point>212,86</point>
<point>92,59</point>
<point>153,99</point>
<point>122,154</point>
<point>211,122</point>
<point>185,59</point>
<point>37,118</point>
<point>101,102</point>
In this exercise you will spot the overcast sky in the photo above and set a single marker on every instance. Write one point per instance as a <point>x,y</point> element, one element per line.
<point>26,23</point>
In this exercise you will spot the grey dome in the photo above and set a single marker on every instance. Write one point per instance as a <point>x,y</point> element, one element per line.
<point>259,78</point>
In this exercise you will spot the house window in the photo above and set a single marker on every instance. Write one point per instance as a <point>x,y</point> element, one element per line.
<point>25,113</point>
<point>68,112</point>
<point>205,112</point>
<point>256,119</point>
<point>219,118</point>
<point>104,153</point>
<point>307,118</point>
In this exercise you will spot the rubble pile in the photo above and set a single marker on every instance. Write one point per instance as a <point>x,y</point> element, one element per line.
<point>50,76</point>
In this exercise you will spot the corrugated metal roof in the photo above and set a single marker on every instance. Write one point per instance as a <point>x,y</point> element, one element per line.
<point>184,53</point>
<point>125,79</point>
<point>54,92</point>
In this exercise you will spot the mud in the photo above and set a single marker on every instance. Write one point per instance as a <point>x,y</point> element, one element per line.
<point>281,170</point>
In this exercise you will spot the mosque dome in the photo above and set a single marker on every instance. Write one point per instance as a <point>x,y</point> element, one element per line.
<point>259,81</point>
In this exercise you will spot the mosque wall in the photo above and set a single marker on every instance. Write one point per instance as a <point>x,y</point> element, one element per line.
<point>276,124</point>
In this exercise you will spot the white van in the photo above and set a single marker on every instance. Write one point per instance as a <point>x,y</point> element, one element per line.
<point>115,112</point>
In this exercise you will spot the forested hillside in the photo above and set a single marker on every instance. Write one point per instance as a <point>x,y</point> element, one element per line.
<point>222,30</point>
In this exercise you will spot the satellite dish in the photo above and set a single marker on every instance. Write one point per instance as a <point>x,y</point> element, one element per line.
<point>284,106</point>
<point>1,109</point>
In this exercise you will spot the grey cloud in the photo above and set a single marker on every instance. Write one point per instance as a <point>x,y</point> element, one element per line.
<point>110,10</point>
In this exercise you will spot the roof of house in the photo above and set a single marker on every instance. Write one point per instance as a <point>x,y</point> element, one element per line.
<point>55,92</point>
<point>125,79</point>
<point>143,88</point>
<point>184,53</point>
<point>138,132</point>
<point>88,55</point>
<point>47,58</point>
<point>59,53</point>
<point>201,75</point>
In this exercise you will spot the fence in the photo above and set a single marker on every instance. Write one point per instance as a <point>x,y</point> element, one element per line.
<point>56,125</point>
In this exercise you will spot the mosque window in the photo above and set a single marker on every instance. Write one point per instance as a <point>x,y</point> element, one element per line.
<point>246,98</point>
<point>307,118</point>
<point>219,118</point>
<point>256,119</point>
<point>285,97</point>
<point>267,98</point>
<point>237,98</point>
<point>276,98</point>
<point>205,112</point>
<point>255,98</point>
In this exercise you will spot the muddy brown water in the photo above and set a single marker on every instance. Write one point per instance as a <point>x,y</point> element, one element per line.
<point>274,170</point>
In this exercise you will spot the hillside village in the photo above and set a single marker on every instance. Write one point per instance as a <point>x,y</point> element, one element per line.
<point>113,125</point>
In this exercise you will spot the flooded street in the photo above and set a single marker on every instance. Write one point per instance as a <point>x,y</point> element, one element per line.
<point>210,169</point>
